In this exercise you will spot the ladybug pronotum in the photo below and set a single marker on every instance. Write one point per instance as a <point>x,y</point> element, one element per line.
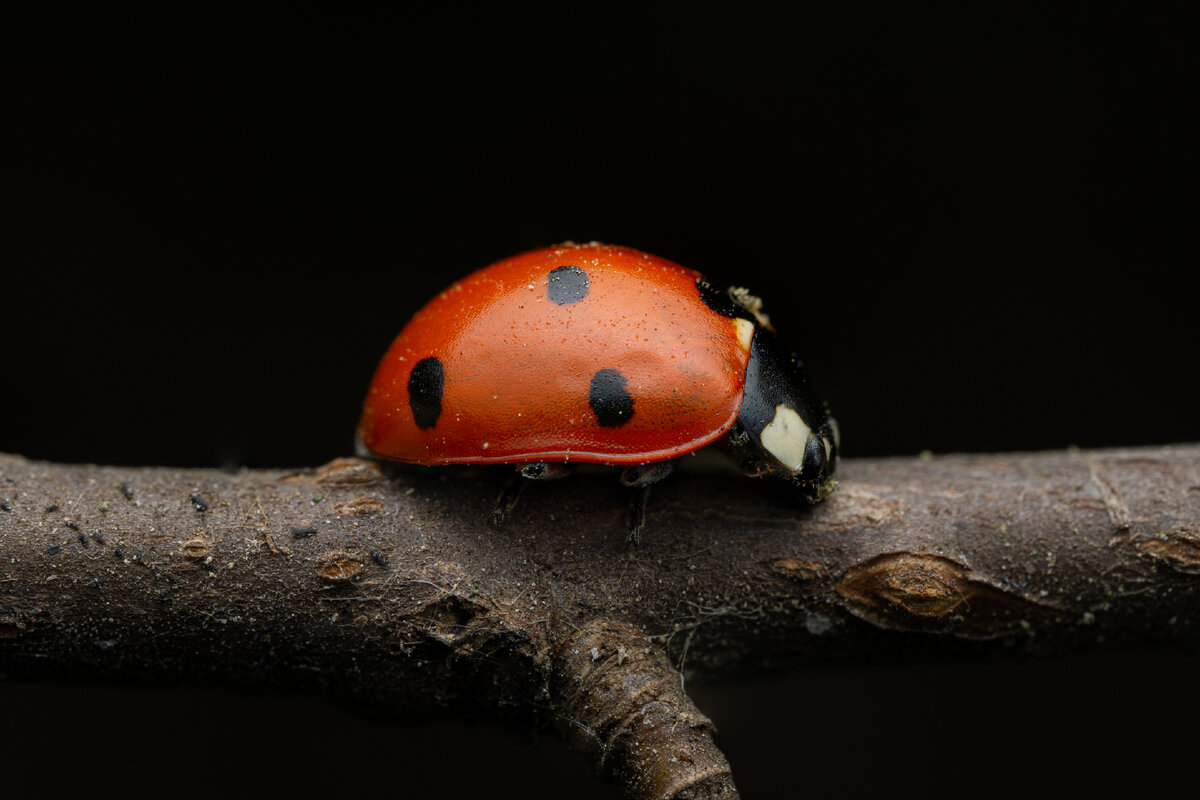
<point>597,354</point>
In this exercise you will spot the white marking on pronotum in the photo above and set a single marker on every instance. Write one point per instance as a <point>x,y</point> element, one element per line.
<point>785,437</point>
<point>745,332</point>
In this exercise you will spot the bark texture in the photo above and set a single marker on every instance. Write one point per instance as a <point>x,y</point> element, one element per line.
<point>389,587</point>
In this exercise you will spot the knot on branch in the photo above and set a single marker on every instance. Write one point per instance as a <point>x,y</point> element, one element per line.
<point>343,472</point>
<point>623,704</point>
<point>452,620</point>
<point>339,567</point>
<point>1178,551</point>
<point>925,592</point>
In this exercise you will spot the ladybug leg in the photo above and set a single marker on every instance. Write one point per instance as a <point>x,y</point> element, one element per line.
<point>637,516</point>
<point>507,501</point>
<point>536,471</point>
<point>641,478</point>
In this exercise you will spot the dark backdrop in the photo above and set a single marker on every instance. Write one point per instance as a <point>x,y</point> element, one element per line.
<point>974,224</point>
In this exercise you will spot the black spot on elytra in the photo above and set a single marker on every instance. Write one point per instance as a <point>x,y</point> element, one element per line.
<point>567,285</point>
<point>608,398</point>
<point>425,391</point>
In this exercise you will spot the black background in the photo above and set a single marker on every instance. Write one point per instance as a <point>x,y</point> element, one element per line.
<point>973,223</point>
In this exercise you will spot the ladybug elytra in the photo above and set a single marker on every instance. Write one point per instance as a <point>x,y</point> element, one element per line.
<point>596,354</point>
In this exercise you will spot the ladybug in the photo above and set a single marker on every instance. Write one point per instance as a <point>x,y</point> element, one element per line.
<point>592,353</point>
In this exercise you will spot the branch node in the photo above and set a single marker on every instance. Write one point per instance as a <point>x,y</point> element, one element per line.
<point>622,703</point>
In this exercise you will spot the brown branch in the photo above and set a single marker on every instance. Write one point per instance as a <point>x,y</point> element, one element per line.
<point>392,589</point>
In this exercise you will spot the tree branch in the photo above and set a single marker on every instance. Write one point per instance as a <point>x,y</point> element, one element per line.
<point>391,589</point>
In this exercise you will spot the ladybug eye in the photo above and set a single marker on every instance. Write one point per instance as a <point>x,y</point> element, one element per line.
<point>814,457</point>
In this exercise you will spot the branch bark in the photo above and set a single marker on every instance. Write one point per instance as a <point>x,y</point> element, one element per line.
<point>391,589</point>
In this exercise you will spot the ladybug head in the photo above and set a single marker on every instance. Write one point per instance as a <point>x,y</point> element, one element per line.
<point>784,429</point>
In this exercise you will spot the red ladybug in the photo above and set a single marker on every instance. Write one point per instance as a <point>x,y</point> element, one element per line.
<point>601,354</point>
